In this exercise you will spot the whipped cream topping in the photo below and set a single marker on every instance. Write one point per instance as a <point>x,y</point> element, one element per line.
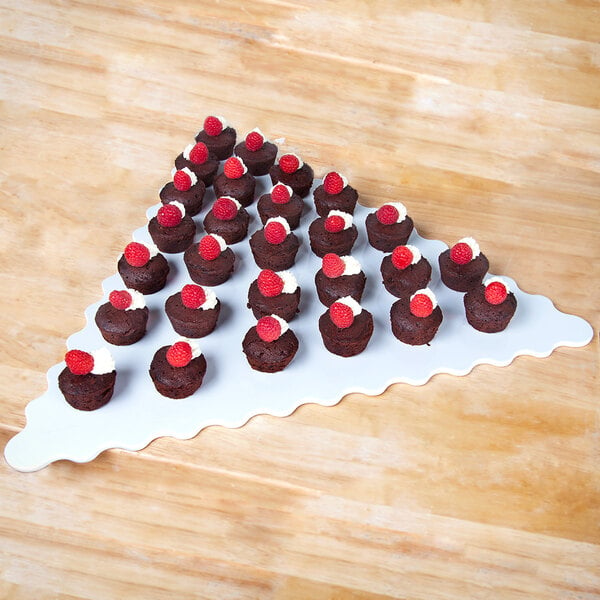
<point>472,244</point>
<point>188,172</point>
<point>152,248</point>
<point>196,352</point>
<point>210,300</point>
<point>103,361</point>
<point>352,266</point>
<point>281,220</point>
<point>352,303</point>
<point>237,204</point>
<point>402,212</point>
<point>287,187</point>
<point>494,279</point>
<point>180,207</point>
<point>346,216</point>
<point>289,282</point>
<point>222,120</point>
<point>416,254</point>
<point>342,177</point>
<point>137,300</point>
<point>283,324</point>
<point>300,161</point>
<point>187,150</point>
<point>222,243</point>
<point>426,292</point>
<point>262,135</point>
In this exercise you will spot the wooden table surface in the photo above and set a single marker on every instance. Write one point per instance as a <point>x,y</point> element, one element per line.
<point>483,117</point>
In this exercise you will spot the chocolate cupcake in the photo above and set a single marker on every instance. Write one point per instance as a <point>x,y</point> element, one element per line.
<point>281,202</point>
<point>218,136</point>
<point>210,261</point>
<point>274,246</point>
<point>270,345</point>
<point>177,371</point>
<point>171,229</point>
<point>143,268</point>
<point>334,194</point>
<point>490,306</point>
<point>274,293</point>
<point>405,271</point>
<point>463,266</point>
<point>228,219</point>
<point>293,172</point>
<point>199,161</point>
<point>389,226</point>
<point>416,319</point>
<point>339,276</point>
<point>88,380</point>
<point>257,152</point>
<point>346,327</point>
<point>185,188</point>
<point>194,311</point>
<point>335,233</point>
<point>122,320</point>
<point>236,182</point>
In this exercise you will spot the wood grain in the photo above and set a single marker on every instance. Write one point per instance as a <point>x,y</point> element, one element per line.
<point>484,118</point>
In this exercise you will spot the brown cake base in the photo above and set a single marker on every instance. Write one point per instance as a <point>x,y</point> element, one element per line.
<point>300,181</point>
<point>260,161</point>
<point>232,231</point>
<point>220,145</point>
<point>192,199</point>
<point>349,341</point>
<point>206,172</point>
<point>387,237</point>
<point>269,357</point>
<point>149,279</point>
<point>323,242</point>
<point>462,278</point>
<point>86,392</point>
<point>291,211</point>
<point>277,257</point>
<point>486,317</point>
<point>241,189</point>
<point>344,201</point>
<point>121,327</point>
<point>191,322</point>
<point>283,305</point>
<point>172,240</point>
<point>330,289</point>
<point>405,282</point>
<point>209,272</point>
<point>412,330</point>
<point>176,382</point>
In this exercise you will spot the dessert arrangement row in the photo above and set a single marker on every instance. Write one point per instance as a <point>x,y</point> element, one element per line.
<point>177,371</point>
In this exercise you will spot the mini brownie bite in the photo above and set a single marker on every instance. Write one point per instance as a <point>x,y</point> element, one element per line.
<point>177,371</point>
<point>274,293</point>
<point>416,319</point>
<point>88,380</point>
<point>171,229</point>
<point>404,271</point>
<point>257,152</point>
<point>236,182</point>
<point>490,306</point>
<point>281,201</point>
<point>389,226</point>
<point>194,311</point>
<point>199,161</point>
<point>143,268</point>
<point>335,233</point>
<point>274,246</point>
<point>339,276</point>
<point>227,218</point>
<point>334,194</point>
<point>218,136</point>
<point>346,327</point>
<point>270,345</point>
<point>185,188</point>
<point>463,266</point>
<point>210,261</point>
<point>122,320</point>
<point>292,171</point>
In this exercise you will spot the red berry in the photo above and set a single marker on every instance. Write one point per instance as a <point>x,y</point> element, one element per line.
<point>341,315</point>
<point>289,163</point>
<point>334,223</point>
<point>387,214</point>
<point>268,329</point>
<point>192,295</point>
<point>275,232</point>
<point>209,248</point>
<point>136,254</point>
<point>496,292</point>
<point>224,208</point>
<point>182,181</point>
<point>169,215</point>
<point>269,283</point>
<point>402,257</point>
<point>199,154</point>
<point>234,167</point>
<point>179,354</point>
<point>421,305</point>
<point>333,265</point>
<point>120,299</point>
<point>281,194</point>
<point>333,183</point>
<point>254,141</point>
<point>79,362</point>
<point>461,253</point>
<point>213,126</point>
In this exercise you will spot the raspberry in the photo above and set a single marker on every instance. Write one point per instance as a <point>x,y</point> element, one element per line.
<point>334,224</point>
<point>234,167</point>
<point>224,208</point>
<point>387,214</point>
<point>461,253</point>
<point>333,183</point>
<point>120,299</point>
<point>269,283</point>
<point>341,315</point>
<point>333,265</point>
<point>209,248</point>
<point>495,292</point>
<point>182,181</point>
<point>79,362</point>
<point>136,254</point>
<point>254,141</point>
<point>281,194</point>
<point>179,354</point>
<point>199,154</point>
<point>192,295</point>
<point>421,305</point>
<point>213,126</point>
<point>289,163</point>
<point>402,257</point>
<point>275,232</point>
<point>268,329</point>
<point>169,215</point>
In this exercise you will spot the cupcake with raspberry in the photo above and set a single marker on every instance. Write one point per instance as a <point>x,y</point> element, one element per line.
<point>339,276</point>
<point>490,306</point>
<point>270,345</point>
<point>281,201</point>
<point>218,136</point>
<point>143,268</point>
<point>274,246</point>
<point>227,218</point>
<point>178,370</point>
<point>292,171</point>
<point>415,319</point>
<point>199,161</point>
<point>389,226</point>
<point>335,233</point>
<point>335,194</point>
<point>88,380</point>
<point>185,188</point>
<point>274,293</point>
<point>346,327</point>
<point>171,229</point>
<point>236,182</point>
<point>257,152</point>
<point>194,311</point>
<point>404,271</point>
<point>463,266</point>
<point>210,261</point>
<point>123,319</point>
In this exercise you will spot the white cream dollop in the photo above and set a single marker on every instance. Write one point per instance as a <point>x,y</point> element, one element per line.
<point>282,221</point>
<point>137,300</point>
<point>402,212</point>
<point>416,254</point>
<point>472,244</point>
<point>347,217</point>
<point>194,346</point>
<point>495,279</point>
<point>300,161</point>
<point>210,300</point>
<point>352,266</point>
<point>282,323</point>
<point>352,303</point>
<point>152,248</point>
<point>219,239</point>
<point>103,361</point>
<point>426,292</point>
<point>188,172</point>
<point>289,282</point>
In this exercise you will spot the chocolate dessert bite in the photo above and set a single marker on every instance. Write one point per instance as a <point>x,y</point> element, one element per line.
<point>122,320</point>
<point>274,293</point>
<point>339,276</point>
<point>199,161</point>
<point>281,201</point>
<point>257,152</point>
<point>218,136</point>
<point>210,261</point>
<point>227,218</point>
<point>270,345</point>
<point>415,319</point>
<point>490,306</point>
<point>194,311</point>
<point>292,171</point>
<point>334,194</point>
<point>143,268</point>
<point>274,246</point>
<point>389,226</point>
<point>463,266</point>
<point>236,182</point>
<point>185,188</point>
<point>335,233</point>
<point>405,271</point>
<point>171,229</point>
